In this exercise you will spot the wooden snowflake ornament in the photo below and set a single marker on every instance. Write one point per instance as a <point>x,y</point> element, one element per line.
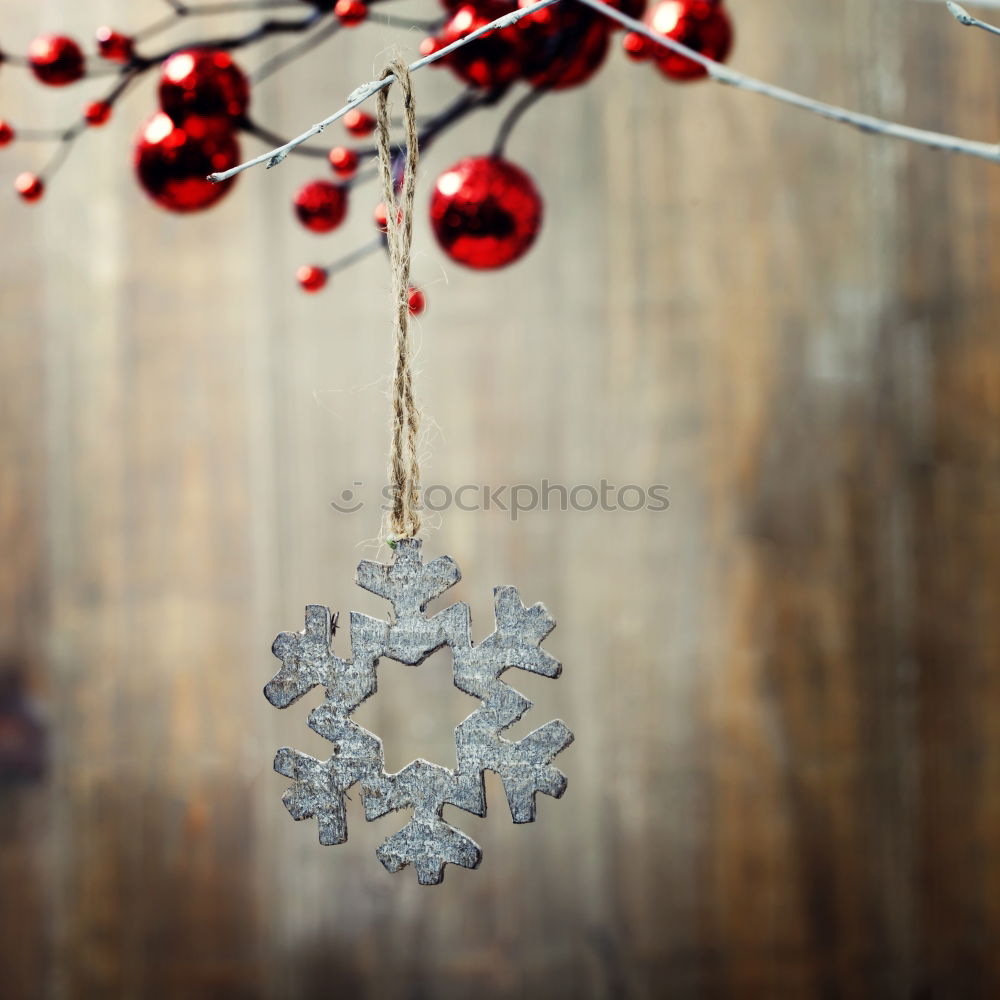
<point>524,766</point>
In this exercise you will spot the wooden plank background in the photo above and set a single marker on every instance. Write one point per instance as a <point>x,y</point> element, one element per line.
<point>786,781</point>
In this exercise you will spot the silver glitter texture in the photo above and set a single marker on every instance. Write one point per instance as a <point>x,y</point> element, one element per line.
<point>307,661</point>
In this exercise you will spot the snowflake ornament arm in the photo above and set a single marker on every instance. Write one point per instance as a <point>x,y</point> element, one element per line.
<point>427,841</point>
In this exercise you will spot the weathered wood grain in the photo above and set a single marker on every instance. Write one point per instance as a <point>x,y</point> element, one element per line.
<point>786,780</point>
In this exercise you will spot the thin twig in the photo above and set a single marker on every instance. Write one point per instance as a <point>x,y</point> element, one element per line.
<point>367,90</point>
<point>964,17</point>
<point>273,138</point>
<point>68,136</point>
<point>262,31</point>
<point>379,243</point>
<point>307,44</point>
<point>866,123</point>
<point>513,116</point>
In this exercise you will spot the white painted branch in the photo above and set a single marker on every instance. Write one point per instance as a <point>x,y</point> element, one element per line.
<point>361,94</point>
<point>716,71</point>
<point>987,4</point>
<point>964,17</point>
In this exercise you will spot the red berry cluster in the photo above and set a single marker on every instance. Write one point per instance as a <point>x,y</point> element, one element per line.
<point>553,48</point>
<point>203,98</point>
<point>485,211</point>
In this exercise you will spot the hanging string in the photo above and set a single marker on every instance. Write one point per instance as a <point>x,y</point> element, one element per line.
<point>404,468</point>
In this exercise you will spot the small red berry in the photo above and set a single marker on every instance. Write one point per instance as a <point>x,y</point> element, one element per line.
<point>29,186</point>
<point>113,45</point>
<point>321,206</point>
<point>358,122</point>
<point>382,219</point>
<point>6,133</point>
<point>637,46</point>
<point>429,46</point>
<point>343,160</point>
<point>97,112</point>
<point>350,12</point>
<point>310,277</point>
<point>417,301</point>
<point>55,60</point>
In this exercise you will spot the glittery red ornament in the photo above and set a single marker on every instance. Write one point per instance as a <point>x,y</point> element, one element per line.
<point>491,61</point>
<point>344,161</point>
<point>563,45</point>
<point>702,25</point>
<point>358,122</point>
<point>485,212</point>
<point>97,113</point>
<point>203,82</point>
<point>29,186</point>
<point>6,133</point>
<point>416,301</point>
<point>172,162</point>
<point>113,45</point>
<point>55,60</point>
<point>350,12</point>
<point>310,277</point>
<point>321,206</point>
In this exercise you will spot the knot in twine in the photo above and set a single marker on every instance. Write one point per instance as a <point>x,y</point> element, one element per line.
<point>404,468</point>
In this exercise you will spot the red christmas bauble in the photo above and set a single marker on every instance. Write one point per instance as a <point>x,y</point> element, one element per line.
<point>321,206</point>
<point>203,82</point>
<point>344,161</point>
<point>172,161</point>
<point>702,25</point>
<point>563,45</point>
<point>492,61</point>
<point>350,12</point>
<point>6,133</point>
<point>310,277</point>
<point>113,45</point>
<point>97,113</point>
<point>56,60</point>
<point>485,212</point>
<point>29,186</point>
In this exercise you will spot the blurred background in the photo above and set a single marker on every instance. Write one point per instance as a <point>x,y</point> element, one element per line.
<point>784,687</point>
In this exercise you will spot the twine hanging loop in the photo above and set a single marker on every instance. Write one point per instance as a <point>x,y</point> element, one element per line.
<point>404,468</point>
